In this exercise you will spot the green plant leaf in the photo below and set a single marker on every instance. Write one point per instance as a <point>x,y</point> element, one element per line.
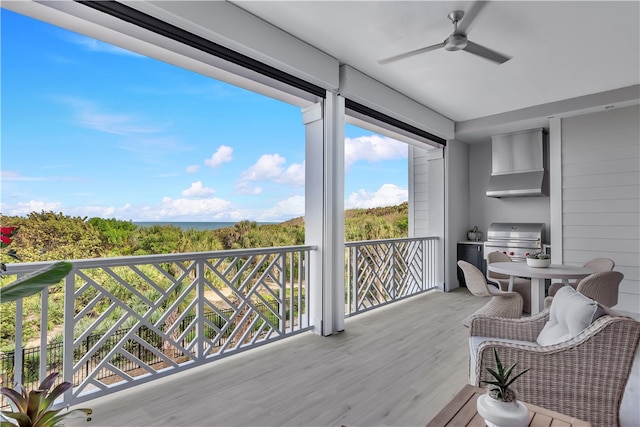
<point>58,391</point>
<point>35,282</point>
<point>18,399</point>
<point>22,419</point>
<point>507,373</point>
<point>516,377</point>
<point>48,381</point>
<point>495,375</point>
<point>33,406</point>
<point>498,362</point>
<point>52,418</point>
<point>46,419</point>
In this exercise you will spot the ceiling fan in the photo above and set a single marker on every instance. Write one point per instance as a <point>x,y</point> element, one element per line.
<point>456,41</point>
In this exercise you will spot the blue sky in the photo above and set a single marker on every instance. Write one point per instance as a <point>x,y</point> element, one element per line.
<point>89,129</point>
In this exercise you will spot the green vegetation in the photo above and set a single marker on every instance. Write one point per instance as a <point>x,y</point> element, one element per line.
<point>49,236</point>
<point>35,407</point>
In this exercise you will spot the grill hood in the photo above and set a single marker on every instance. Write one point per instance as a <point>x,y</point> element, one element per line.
<point>519,164</point>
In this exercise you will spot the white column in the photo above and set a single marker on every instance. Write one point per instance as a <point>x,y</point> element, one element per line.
<point>324,212</point>
<point>555,185</point>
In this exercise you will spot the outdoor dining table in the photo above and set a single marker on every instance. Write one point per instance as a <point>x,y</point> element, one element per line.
<point>538,276</point>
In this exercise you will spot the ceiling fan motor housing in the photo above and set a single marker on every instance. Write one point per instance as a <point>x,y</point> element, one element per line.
<point>455,42</point>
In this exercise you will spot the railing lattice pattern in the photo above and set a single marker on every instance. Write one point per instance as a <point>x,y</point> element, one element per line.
<point>383,271</point>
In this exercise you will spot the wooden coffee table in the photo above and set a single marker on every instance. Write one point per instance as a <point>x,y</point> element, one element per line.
<point>461,412</point>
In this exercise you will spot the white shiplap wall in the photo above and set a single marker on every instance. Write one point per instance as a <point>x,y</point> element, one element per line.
<point>601,194</point>
<point>427,202</point>
<point>419,198</point>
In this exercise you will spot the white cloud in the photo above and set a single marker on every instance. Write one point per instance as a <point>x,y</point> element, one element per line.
<point>187,207</point>
<point>169,209</point>
<point>373,148</point>
<point>97,211</point>
<point>197,190</point>
<point>283,210</point>
<point>93,45</point>
<point>223,154</point>
<point>248,189</point>
<point>387,195</point>
<point>91,115</point>
<point>14,176</point>
<point>294,175</point>
<point>268,167</point>
<point>119,124</point>
<point>192,168</point>
<point>23,209</point>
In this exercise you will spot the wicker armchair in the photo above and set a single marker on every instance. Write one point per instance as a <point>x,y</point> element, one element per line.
<point>601,287</point>
<point>596,264</point>
<point>501,304</point>
<point>584,377</point>
<point>520,285</point>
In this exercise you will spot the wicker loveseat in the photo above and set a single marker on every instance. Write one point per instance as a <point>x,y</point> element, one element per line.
<point>588,376</point>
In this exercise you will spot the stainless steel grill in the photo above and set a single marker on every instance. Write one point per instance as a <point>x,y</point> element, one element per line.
<point>515,239</point>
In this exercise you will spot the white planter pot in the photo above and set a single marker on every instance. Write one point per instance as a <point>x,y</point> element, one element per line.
<point>497,413</point>
<point>539,263</point>
<point>474,236</point>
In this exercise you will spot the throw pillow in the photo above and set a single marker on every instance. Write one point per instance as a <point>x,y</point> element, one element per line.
<point>571,312</point>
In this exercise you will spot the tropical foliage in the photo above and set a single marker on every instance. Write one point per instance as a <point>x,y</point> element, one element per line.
<point>30,284</point>
<point>49,236</point>
<point>35,408</point>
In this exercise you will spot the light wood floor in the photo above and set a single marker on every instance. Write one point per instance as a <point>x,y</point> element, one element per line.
<point>393,366</point>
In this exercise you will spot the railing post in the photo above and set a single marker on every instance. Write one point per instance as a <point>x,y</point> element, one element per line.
<point>394,282</point>
<point>356,303</point>
<point>347,277</point>
<point>18,355</point>
<point>425,253</point>
<point>68,337</point>
<point>282,322</point>
<point>44,304</point>
<point>86,365</point>
<point>200,337</point>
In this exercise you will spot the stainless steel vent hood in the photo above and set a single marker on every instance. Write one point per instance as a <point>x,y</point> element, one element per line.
<point>519,164</point>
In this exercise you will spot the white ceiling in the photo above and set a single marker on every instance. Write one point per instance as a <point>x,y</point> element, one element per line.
<point>560,50</point>
<point>568,57</point>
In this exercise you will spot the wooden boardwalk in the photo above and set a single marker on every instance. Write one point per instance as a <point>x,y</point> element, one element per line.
<point>393,366</point>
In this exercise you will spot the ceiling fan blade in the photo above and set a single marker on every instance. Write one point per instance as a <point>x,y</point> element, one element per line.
<point>411,53</point>
<point>486,53</point>
<point>470,15</point>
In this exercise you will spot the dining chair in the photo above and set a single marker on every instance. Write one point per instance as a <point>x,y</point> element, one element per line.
<point>520,284</point>
<point>602,287</point>
<point>596,264</point>
<point>501,304</point>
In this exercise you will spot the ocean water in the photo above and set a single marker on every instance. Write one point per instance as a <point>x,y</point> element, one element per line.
<point>185,225</point>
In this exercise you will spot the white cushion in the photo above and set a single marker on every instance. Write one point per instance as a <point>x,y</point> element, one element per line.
<point>571,312</point>
<point>474,344</point>
<point>629,410</point>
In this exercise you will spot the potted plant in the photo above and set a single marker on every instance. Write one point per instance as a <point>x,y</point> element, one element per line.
<point>538,260</point>
<point>35,407</point>
<point>499,406</point>
<point>474,234</point>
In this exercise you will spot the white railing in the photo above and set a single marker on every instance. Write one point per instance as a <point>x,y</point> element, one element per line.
<point>382,271</point>
<point>129,320</point>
